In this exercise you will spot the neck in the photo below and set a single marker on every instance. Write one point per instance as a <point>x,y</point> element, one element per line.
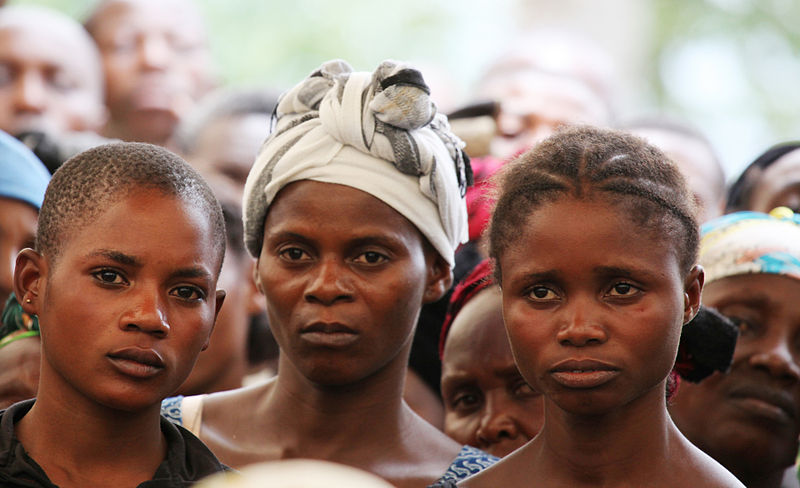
<point>62,431</point>
<point>609,446</point>
<point>324,417</point>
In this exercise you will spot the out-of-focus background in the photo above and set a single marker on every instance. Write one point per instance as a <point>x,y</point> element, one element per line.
<point>730,67</point>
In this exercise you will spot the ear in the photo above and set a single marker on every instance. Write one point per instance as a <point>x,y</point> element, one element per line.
<point>257,278</point>
<point>219,299</point>
<point>440,278</point>
<point>255,298</point>
<point>692,289</point>
<point>30,274</point>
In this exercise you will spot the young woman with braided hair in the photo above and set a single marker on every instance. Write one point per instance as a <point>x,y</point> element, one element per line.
<point>595,244</point>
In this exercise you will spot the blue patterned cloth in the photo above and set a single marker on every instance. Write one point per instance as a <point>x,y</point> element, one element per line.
<point>171,409</point>
<point>468,462</point>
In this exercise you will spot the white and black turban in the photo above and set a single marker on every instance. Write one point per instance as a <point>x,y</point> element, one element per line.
<point>377,132</point>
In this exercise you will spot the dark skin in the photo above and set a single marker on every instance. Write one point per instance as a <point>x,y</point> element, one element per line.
<point>487,402</point>
<point>344,276</point>
<point>608,301</point>
<point>755,406</point>
<point>137,291</point>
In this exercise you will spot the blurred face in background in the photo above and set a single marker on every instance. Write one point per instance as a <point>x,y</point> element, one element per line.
<point>157,65</point>
<point>533,104</point>
<point>50,74</point>
<point>487,402</point>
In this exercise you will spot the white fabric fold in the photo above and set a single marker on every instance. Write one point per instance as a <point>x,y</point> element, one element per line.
<point>377,132</point>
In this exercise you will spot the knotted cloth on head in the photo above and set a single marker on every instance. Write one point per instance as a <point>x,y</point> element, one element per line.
<point>751,242</point>
<point>376,132</point>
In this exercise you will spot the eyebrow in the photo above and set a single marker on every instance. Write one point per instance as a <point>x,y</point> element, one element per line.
<point>117,256</point>
<point>191,272</point>
<point>128,260</point>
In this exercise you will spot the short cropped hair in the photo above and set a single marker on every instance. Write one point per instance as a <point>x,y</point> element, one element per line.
<point>585,162</point>
<point>86,184</point>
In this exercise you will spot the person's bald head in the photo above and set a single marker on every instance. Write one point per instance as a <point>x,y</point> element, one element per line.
<point>50,73</point>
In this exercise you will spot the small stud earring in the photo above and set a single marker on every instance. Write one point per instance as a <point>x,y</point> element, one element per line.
<point>27,300</point>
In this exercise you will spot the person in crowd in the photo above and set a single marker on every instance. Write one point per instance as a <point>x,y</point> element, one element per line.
<point>749,419</point>
<point>530,104</point>
<point>157,65</point>
<point>771,180</point>
<point>224,133</point>
<point>51,78</point>
<point>129,244</point>
<point>353,209</point>
<point>594,310</point>
<point>23,180</point>
<point>488,404</point>
<point>695,157</point>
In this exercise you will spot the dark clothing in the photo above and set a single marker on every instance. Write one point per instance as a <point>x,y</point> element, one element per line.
<point>187,461</point>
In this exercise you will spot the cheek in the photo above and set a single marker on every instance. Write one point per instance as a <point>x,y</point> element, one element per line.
<point>527,334</point>
<point>460,428</point>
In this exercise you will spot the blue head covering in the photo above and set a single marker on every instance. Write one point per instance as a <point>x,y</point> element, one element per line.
<point>751,242</point>
<point>22,176</point>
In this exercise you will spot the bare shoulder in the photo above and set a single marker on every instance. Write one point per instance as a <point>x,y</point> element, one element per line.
<point>694,467</point>
<point>231,426</point>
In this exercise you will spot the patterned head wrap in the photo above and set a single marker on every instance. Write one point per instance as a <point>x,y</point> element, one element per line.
<point>22,176</point>
<point>751,242</point>
<point>376,132</point>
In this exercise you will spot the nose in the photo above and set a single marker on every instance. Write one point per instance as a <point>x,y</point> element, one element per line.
<point>30,94</point>
<point>146,314</point>
<point>775,357</point>
<point>496,423</point>
<point>328,284</point>
<point>154,52</point>
<point>580,326</point>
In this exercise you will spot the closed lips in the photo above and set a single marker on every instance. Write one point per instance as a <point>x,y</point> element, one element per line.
<point>780,398</point>
<point>144,356</point>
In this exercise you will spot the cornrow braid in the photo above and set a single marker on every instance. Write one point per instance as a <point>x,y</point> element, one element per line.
<point>589,162</point>
<point>86,184</point>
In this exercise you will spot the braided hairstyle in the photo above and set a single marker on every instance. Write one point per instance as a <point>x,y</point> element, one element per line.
<point>589,162</point>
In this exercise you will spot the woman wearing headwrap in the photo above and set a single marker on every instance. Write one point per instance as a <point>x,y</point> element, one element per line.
<point>749,418</point>
<point>354,208</point>
<point>23,180</point>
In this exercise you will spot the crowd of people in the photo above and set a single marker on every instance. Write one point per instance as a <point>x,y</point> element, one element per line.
<point>339,285</point>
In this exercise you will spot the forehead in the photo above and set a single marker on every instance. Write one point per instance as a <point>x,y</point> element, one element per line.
<point>34,40</point>
<point>584,236</point>
<point>772,290</point>
<point>333,211</point>
<point>172,17</point>
<point>478,331</point>
<point>150,223</point>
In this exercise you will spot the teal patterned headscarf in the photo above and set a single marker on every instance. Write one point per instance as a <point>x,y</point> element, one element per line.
<point>751,243</point>
<point>16,324</point>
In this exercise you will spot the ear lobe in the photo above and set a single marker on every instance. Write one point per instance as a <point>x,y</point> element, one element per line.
<point>692,291</point>
<point>30,271</point>
<point>255,297</point>
<point>440,279</point>
<point>257,278</point>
